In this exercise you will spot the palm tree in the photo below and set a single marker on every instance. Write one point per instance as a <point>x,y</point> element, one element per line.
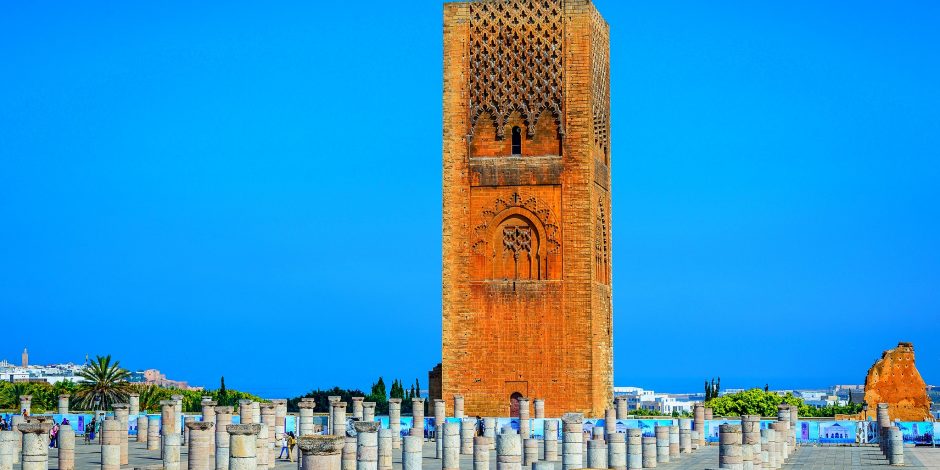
<point>104,384</point>
<point>150,396</point>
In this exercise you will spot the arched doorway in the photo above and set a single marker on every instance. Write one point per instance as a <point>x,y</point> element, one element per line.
<point>514,404</point>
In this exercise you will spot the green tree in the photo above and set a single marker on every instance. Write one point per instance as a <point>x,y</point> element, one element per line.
<point>379,396</point>
<point>397,390</point>
<point>221,397</point>
<point>105,383</point>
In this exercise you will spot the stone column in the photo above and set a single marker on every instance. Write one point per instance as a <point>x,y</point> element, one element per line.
<point>768,448</point>
<point>685,436</point>
<point>662,444</point>
<point>305,422</point>
<point>617,451</point>
<point>167,423</point>
<point>367,445</point>
<point>781,430</point>
<point>329,408</point>
<point>411,455</point>
<point>729,447</point>
<point>243,446</point>
<point>598,432</point>
<point>458,406</point>
<point>255,412</point>
<point>524,418</point>
<point>111,444</point>
<point>621,405</point>
<point>8,447</point>
<point>673,442</point>
<point>171,454</point>
<point>596,454</point>
<point>451,446</point>
<point>417,411</point>
<point>357,407</point>
<point>143,427</point>
<point>208,416</point>
<point>15,421</point>
<point>750,434</point>
<point>884,420</point>
<point>133,401</point>
<point>179,412</point>
<point>489,430</point>
<point>530,452</point>
<point>468,427</point>
<point>783,414</point>
<point>538,405</point>
<point>895,447</point>
<point>223,419</point>
<point>268,419</point>
<point>186,419</point>
<point>321,452</point>
<point>280,416</point>
<point>571,447</point>
<point>794,419</point>
<point>708,413</point>
<point>339,417</point>
<point>66,438</point>
<point>200,441</point>
<point>508,452</point>
<point>244,412</point>
<point>35,450</point>
<point>262,448</point>
<point>385,449</point>
<point>698,412</point>
<point>649,452</point>
<point>64,404</point>
<point>440,413</point>
<point>153,432</point>
<point>368,411</point>
<point>551,440</point>
<point>394,421</point>
<point>481,453</point>
<point>349,453</point>
<point>610,421</point>
<point>121,412</point>
<point>635,448</point>
<point>26,403</point>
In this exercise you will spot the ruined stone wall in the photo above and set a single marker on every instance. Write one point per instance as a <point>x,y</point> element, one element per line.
<point>526,239</point>
<point>894,380</point>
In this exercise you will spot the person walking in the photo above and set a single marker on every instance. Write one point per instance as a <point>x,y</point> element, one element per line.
<point>291,443</point>
<point>54,436</point>
<point>284,448</point>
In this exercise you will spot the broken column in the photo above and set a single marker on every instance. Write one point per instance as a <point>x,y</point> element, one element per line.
<point>610,421</point>
<point>662,444</point>
<point>349,454</point>
<point>368,411</point>
<point>268,418</point>
<point>357,407</point>
<point>508,452</point>
<point>35,450</point>
<point>596,454</point>
<point>263,448</point>
<point>411,452</point>
<point>699,419</point>
<point>329,409</point>
<point>385,449</point>
<point>255,412</point>
<point>8,446</point>
<point>783,414</point>
<point>481,453</point>
<point>450,449</point>
<point>467,432</point>
<point>200,440</point>
<point>781,430</point>
<point>895,446</point>
<point>635,448</point>
<point>729,447</point>
<point>620,404</point>
<point>280,416</point>
<point>153,432</point>
<point>572,441</point>
<point>339,417</point>
<point>208,416</point>
<point>649,452</point>
<point>121,412</point>
<point>550,452</point>
<point>458,406</point>
<point>223,419</point>
<point>66,438</point>
<point>708,413</point>
<point>245,414</point>
<point>171,451</point>
<point>417,411</point>
<point>394,421</point>
<point>768,448</point>
<point>438,407</point>
<point>110,443</point>
<point>305,421</point>
<point>243,446</point>
<point>530,452</point>
<point>750,434</point>
<point>524,418</point>
<point>489,431</point>
<point>64,404</point>
<point>367,445</point>
<point>685,436</point>
<point>538,405</point>
<point>673,442</point>
<point>133,402</point>
<point>321,452</point>
<point>617,451</point>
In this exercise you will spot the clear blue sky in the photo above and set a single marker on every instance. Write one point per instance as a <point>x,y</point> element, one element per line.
<point>254,189</point>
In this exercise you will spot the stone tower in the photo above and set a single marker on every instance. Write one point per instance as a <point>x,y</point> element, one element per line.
<point>25,357</point>
<point>526,215</point>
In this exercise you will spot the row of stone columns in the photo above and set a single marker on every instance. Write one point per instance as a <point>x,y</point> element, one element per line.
<point>890,438</point>
<point>747,446</point>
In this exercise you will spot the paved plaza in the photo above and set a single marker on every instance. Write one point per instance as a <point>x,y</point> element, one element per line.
<point>807,458</point>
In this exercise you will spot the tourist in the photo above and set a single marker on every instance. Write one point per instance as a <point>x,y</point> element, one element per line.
<point>291,443</point>
<point>479,426</point>
<point>3,424</point>
<point>54,436</point>
<point>25,413</point>
<point>91,428</point>
<point>284,448</point>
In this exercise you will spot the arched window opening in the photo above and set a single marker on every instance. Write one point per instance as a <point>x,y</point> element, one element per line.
<point>514,404</point>
<point>516,141</point>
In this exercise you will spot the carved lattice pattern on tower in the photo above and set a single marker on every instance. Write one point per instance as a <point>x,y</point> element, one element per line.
<point>601,252</point>
<point>516,60</point>
<point>600,69</point>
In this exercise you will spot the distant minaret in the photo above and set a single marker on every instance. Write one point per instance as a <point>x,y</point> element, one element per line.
<point>25,357</point>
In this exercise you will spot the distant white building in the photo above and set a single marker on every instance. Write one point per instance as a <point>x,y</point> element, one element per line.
<point>32,373</point>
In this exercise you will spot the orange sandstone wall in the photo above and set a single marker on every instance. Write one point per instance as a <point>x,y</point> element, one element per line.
<point>894,380</point>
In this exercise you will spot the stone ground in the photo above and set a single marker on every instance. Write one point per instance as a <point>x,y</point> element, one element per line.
<point>808,458</point>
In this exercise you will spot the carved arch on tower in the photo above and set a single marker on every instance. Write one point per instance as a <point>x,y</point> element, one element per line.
<point>518,240</point>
